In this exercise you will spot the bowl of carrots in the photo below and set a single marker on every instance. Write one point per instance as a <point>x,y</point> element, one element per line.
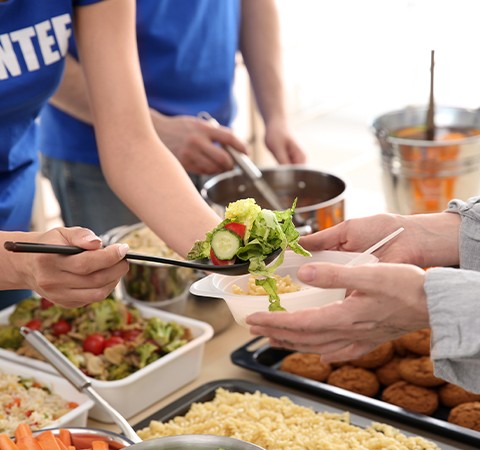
<point>75,438</point>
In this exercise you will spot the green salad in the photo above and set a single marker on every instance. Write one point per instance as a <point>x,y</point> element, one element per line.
<point>251,233</point>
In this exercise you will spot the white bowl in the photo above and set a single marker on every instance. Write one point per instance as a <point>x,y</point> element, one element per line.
<point>241,306</point>
<point>76,417</point>
<point>146,386</point>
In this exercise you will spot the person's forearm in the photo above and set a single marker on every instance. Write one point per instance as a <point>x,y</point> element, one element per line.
<point>261,51</point>
<point>138,167</point>
<point>437,237</point>
<point>72,95</point>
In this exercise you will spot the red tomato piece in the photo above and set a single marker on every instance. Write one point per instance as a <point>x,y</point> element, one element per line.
<point>61,327</point>
<point>94,343</point>
<point>34,324</point>
<point>45,304</point>
<point>113,340</point>
<point>130,335</point>
<point>219,262</point>
<point>237,228</point>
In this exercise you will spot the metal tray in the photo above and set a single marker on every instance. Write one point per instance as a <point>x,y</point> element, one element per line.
<point>256,355</point>
<point>206,393</point>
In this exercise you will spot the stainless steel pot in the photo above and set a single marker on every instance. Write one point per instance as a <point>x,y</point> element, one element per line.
<point>160,286</point>
<point>195,442</point>
<point>421,176</point>
<point>321,196</point>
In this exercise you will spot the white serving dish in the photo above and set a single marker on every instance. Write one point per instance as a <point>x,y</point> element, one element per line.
<point>241,306</point>
<point>77,417</point>
<point>148,385</point>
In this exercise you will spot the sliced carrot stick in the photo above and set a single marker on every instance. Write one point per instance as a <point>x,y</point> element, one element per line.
<point>6,443</point>
<point>22,430</point>
<point>28,443</point>
<point>60,443</point>
<point>99,445</point>
<point>71,447</point>
<point>65,436</point>
<point>48,441</point>
<point>84,441</point>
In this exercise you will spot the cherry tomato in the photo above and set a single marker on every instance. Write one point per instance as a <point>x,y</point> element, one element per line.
<point>61,327</point>
<point>94,343</point>
<point>45,304</point>
<point>34,324</point>
<point>237,228</point>
<point>113,340</point>
<point>130,335</point>
<point>219,262</point>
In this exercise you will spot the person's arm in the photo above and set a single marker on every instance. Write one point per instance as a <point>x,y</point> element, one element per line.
<point>192,140</point>
<point>136,164</point>
<point>73,280</point>
<point>428,239</point>
<point>261,51</point>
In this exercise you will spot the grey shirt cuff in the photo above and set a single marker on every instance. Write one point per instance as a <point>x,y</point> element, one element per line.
<point>469,238</point>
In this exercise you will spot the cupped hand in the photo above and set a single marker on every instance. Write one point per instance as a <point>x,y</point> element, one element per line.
<point>196,143</point>
<point>282,144</point>
<point>385,301</point>
<point>76,280</point>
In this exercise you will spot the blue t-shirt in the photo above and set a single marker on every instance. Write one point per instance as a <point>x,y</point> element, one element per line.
<point>34,39</point>
<point>187,54</point>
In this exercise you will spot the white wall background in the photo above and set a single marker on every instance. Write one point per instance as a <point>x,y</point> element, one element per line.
<point>374,55</point>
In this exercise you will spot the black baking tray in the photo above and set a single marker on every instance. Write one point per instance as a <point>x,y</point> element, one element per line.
<point>256,355</point>
<point>207,391</point>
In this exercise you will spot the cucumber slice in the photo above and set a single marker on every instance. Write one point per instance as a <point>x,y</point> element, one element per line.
<point>225,244</point>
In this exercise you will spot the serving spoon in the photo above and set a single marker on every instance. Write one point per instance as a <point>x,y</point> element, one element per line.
<point>199,264</point>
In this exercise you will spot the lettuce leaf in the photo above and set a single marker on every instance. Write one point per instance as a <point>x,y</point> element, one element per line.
<point>266,231</point>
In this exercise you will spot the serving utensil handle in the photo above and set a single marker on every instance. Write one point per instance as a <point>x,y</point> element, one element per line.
<point>76,377</point>
<point>37,247</point>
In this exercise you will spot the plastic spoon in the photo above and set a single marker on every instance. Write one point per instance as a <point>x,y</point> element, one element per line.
<point>199,264</point>
<point>358,259</point>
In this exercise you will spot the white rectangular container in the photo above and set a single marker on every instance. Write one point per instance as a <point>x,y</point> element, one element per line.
<point>77,417</point>
<point>148,385</point>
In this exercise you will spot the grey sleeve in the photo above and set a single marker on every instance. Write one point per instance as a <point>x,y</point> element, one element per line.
<point>454,307</point>
<point>454,304</point>
<point>469,238</point>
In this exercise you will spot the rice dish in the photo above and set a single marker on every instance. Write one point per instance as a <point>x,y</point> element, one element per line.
<point>280,424</point>
<point>23,400</point>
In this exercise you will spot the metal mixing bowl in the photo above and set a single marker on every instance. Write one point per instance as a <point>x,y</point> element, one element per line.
<point>321,195</point>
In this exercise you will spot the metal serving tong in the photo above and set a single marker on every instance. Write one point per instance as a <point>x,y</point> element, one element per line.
<point>254,174</point>
<point>76,377</point>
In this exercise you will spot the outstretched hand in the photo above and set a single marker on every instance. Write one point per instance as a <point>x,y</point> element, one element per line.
<point>385,301</point>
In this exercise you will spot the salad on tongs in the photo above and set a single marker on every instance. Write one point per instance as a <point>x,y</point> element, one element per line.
<point>251,233</point>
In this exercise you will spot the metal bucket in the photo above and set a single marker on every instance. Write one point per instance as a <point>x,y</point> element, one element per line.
<point>421,176</point>
<point>321,196</point>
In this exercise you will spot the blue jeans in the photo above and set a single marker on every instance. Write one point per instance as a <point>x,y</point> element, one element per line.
<point>84,196</point>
